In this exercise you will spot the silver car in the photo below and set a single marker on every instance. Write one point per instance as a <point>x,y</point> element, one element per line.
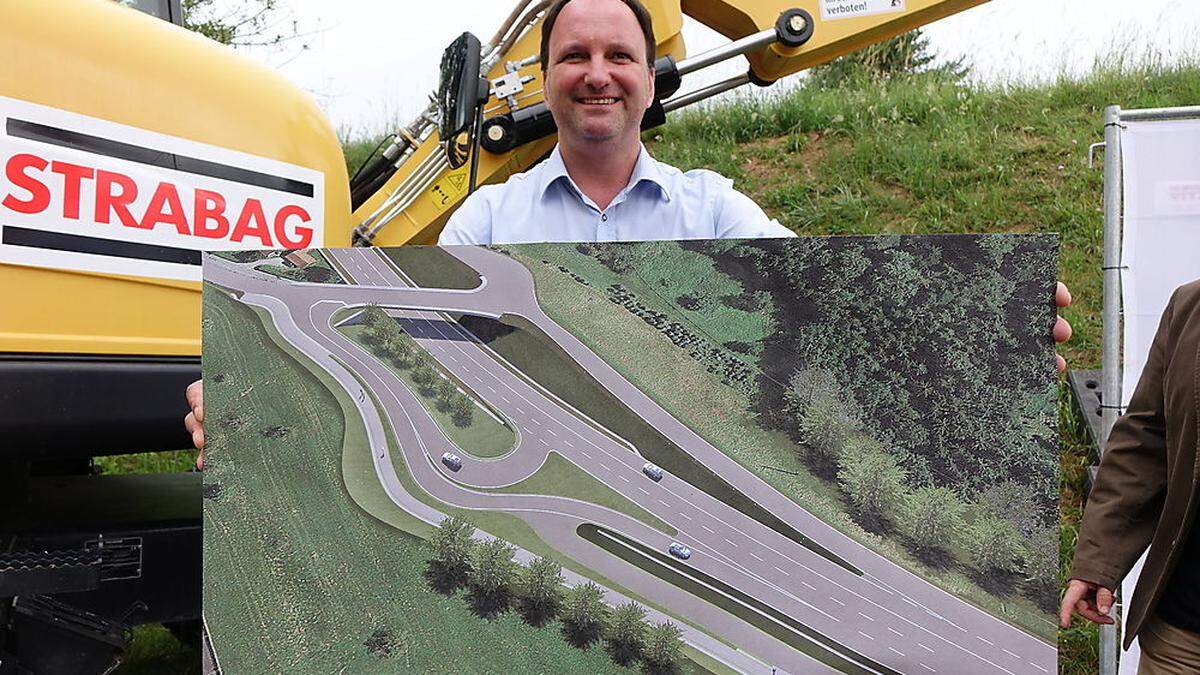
<point>452,461</point>
<point>679,551</point>
<point>652,471</point>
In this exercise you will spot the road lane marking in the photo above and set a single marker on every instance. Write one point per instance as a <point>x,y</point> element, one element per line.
<point>785,572</point>
<point>663,503</point>
<point>922,646</point>
<point>985,640</point>
<point>928,668</point>
<point>519,410</point>
<point>731,543</point>
<point>865,616</point>
<point>896,650</point>
<point>551,432</point>
<point>708,529</point>
<point>569,444</point>
<point>585,454</point>
<point>895,631</point>
<point>602,466</point>
<point>1010,653</point>
<point>757,558</point>
<point>1038,667</point>
<point>623,478</point>
<point>643,491</point>
<point>865,635</point>
<point>837,601</point>
<point>685,515</point>
<point>809,586</point>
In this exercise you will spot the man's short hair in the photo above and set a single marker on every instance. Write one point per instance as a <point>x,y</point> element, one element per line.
<point>639,11</point>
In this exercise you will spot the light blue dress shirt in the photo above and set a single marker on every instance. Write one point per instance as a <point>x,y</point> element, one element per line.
<point>659,202</point>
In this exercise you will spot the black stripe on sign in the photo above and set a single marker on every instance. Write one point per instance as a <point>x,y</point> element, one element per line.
<point>167,160</point>
<point>57,241</point>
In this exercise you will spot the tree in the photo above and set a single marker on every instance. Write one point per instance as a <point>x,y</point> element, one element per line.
<point>902,55</point>
<point>994,544</point>
<point>583,610</point>
<point>1041,562</point>
<point>662,651</point>
<point>824,428</point>
<point>492,568</point>
<point>461,409</point>
<point>242,24</point>
<point>446,390</point>
<point>423,375</point>
<point>453,545</point>
<point>873,482</point>
<point>541,586</point>
<point>933,517</point>
<point>625,632</point>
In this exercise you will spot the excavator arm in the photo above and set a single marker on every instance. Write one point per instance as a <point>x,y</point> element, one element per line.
<point>406,194</point>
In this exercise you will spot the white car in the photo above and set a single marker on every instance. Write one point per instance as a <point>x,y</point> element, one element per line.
<point>452,461</point>
<point>652,471</point>
<point>679,551</point>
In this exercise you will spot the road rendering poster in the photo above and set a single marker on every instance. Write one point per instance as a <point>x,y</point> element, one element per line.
<point>805,455</point>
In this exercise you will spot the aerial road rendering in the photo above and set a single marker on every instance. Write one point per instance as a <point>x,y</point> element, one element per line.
<point>778,456</point>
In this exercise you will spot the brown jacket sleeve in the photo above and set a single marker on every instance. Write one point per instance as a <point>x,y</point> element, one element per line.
<point>1122,509</point>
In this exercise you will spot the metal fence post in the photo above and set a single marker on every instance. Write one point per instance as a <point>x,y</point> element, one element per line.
<point>1109,645</point>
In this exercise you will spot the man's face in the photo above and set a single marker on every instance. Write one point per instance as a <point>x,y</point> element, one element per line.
<point>598,83</point>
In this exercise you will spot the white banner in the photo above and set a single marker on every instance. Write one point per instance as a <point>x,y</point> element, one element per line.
<point>1161,181</point>
<point>81,193</point>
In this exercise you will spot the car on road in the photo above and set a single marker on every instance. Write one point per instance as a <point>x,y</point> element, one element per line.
<point>679,550</point>
<point>452,461</point>
<point>652,471</point>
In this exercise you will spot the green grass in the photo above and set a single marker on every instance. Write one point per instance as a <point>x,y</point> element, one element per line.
<point>560,476</point>
<point>155,651</point>
<point>168,461</point>
<point>298,274</point>
<point>431,267</point>
<point>307,567</point>
<point>483,437</point>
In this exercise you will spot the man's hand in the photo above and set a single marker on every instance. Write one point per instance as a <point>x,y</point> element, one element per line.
<point>1091,601</point>
<point>194,422</point>
<point>1062,329</point>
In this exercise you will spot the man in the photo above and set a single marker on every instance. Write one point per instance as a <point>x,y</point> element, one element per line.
<point>1146,493</point>
<point>599,183</point>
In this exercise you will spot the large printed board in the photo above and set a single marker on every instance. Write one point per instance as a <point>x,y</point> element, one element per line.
<point>794,455</point>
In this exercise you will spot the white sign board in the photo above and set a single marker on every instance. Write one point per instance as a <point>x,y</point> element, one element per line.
<point>847,9</point>
<point>81,193</point>
<point>1161,180</point>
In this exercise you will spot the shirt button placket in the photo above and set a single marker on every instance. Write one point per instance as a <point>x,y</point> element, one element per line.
<point>605,229</point>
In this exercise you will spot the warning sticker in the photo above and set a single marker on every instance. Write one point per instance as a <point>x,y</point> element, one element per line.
<point>846,9</point>
<point>80,193</point>
<point>447,191</point>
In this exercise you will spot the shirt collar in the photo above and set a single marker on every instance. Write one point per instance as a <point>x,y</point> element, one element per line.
<point>646,169</point>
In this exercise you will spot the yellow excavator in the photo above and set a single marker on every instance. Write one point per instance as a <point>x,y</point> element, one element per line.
<point>129,145</point>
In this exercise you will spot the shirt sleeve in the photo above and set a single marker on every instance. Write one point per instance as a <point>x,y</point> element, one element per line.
<point>738,217</point>
<point>470,224</point>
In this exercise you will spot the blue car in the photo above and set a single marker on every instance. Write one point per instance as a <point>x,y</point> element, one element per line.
<point>680,551</point>
<point>452,461</point>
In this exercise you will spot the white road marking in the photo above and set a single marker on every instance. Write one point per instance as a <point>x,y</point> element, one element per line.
<point>1038,667</point>
<point>602,466</point>
<point>895,631</point>
<point>551,432</point>
<point>623,478</point>
<point>708,529</point>
<point>865,635</point>
<point>643,491</point>
<point>663,503</point>
<point>809,586</point>
<point>757,558</point>
<point>928,668</point>
<point>1010,653</point>
<point>731,543</point>
<point>519,410</point>
<point>837,601</point>
<point>569,444</point>
<point>986,641</point>
<point>585,454</point>
<point>785,572</point>
<point>922,646</point>
<point>865,616</point>
<point>896,650</point>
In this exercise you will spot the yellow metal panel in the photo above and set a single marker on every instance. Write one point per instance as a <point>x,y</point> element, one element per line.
<point>97,58</point>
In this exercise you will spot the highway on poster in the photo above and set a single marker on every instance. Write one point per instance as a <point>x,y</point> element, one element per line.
<point>885,619</point>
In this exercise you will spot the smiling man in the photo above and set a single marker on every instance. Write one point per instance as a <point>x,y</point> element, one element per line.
<point>599,183</point>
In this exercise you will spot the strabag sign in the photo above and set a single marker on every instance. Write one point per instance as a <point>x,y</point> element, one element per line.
<point>846,9</point>
<point>81,193</point>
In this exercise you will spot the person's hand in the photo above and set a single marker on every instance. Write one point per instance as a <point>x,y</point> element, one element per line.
<point>1062,329</point>
<point>194,422</point>
<point>1091,601</point>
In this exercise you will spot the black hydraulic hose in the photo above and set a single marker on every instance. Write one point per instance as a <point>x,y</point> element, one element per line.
<point>373,177</point>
